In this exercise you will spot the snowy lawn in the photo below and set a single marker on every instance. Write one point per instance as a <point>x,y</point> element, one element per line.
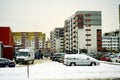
<point>55,70</point>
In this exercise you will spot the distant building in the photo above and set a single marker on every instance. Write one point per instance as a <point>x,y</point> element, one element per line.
<point>83,32</point>
<point>48,44</point>
<point>57,40</point>
<point>110,41</point>
<point>7,41</point>
<point>34,40</point>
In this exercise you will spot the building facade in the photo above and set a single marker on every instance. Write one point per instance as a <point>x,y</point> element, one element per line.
<point>83,32</point>
<point>34,40</point>
<point>110,41</point>
<point>7,42</point>
<point>57,40</point>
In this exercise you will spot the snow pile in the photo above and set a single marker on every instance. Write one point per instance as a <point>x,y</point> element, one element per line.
<point>55,70</point>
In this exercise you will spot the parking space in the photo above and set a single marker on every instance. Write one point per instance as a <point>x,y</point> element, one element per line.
<point>36,61</point>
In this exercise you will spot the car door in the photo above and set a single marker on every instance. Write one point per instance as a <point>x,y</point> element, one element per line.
<point>78,61</point>
<point>2,63</point>
<point>85,61</point>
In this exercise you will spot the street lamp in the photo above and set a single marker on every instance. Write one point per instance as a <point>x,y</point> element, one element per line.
<point>78,42</point>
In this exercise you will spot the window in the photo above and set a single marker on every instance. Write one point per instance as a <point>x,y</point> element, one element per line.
<point>88,39</point>
<point>88,20</point>
<point>87,15</point>
<point>88,34</point>
<point>88,44</point>
<point>88,29</point>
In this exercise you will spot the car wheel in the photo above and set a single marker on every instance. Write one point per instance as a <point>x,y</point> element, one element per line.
<point>93,64</point>
<point>7,66</point>
<point>72,64</point>
<point>32,61</point>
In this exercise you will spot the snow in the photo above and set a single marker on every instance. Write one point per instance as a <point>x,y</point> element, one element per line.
<point>81,56</point>
<point>58,71</point>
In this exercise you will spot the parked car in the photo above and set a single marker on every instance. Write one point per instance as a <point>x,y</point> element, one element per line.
<point>79,59</point>
<point>37,55</point>
<point>105,58</point>
<point>6,63</point>
<point>118,59</point>
<point>57,57</point>
<point>61,58</point>
<point>115,58</point>
<point>25,56</point>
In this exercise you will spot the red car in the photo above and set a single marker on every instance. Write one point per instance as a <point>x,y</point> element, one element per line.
<point>105,58</point>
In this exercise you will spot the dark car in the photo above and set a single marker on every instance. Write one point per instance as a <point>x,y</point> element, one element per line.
<point>37,55</point>
<point>57,57</point>
<point>6,63</point>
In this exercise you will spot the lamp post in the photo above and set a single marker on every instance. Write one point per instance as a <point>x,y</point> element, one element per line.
<point>119,30</point>
<point>119,38</point>
<point>78,42</point>
<point>111,43</point>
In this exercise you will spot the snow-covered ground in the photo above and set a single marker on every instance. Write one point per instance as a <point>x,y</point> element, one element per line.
<point>58,71</point>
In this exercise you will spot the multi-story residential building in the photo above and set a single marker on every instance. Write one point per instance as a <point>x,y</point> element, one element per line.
<point>83,32</point>
<point>57,40</point>
<point>33,40</point>
<point>110,41</point>
<point>48,44</point>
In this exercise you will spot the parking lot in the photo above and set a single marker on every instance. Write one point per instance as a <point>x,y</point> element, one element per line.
<point>36,61</point>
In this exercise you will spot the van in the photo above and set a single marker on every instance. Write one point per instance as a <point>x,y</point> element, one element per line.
<point>25,55</point>
<point>79,59</point>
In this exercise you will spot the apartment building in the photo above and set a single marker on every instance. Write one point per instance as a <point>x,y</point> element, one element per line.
<point>110,41</point>
<point>34,40</point>
<point>57,40</point>
<point>82,31</point>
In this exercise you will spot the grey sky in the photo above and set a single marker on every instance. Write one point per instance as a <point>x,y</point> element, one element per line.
<point>45,15</point>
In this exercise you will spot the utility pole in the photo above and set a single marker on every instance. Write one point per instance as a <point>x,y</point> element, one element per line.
<point>119,29</point>
<point>119,37</point>
<point>78,42</point>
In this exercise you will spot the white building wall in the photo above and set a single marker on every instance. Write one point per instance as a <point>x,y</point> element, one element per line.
<point>57,45</point>
<point>82,38</point>
<point>94,38</point>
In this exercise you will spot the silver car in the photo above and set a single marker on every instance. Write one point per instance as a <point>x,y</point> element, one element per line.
<point>79,59</point>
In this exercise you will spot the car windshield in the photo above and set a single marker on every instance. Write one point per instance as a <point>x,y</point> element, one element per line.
<point>23,54</point>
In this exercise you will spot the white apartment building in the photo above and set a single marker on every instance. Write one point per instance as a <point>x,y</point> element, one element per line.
<point>57,40</point>
<point>83,32</point>
<point>110,41</point>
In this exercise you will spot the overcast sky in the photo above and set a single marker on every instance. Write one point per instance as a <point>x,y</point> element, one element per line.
<point>45,15</point>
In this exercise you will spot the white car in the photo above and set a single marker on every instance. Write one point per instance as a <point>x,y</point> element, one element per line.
<point>115,58</point>
<point>25,55</point>
<point>79,59</point>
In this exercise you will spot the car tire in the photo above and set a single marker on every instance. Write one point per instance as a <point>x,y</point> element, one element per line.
<point>7,66</point>
<point>32,61</point>
<point>93,64</point>
<point>72,64</point>
<point>116,61</point>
